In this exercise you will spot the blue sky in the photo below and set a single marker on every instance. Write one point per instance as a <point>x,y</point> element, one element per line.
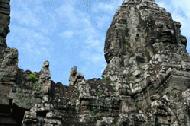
<point>70,33</point>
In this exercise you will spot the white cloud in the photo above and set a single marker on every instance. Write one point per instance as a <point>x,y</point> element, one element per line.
<point>31,28</point>
<point>67,34</point>
<point>102,21</point>
<point>80,25</point>
<point>36,25</point>
<point>107,6</point>
<point>26,17</point>
<point>31,42</point>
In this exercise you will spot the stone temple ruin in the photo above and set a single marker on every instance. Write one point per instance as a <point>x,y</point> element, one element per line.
<point>146,81</point>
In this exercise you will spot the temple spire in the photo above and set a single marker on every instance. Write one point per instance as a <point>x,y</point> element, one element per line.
<point>137,1</point>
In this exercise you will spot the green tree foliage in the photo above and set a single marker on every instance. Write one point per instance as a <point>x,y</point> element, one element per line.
<point>32,77</point>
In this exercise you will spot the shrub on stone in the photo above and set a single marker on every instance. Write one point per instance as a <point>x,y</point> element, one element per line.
<point>32,77</point>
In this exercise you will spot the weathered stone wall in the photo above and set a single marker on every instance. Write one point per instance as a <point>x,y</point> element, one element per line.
<point>8,56</point>
<point>146,81</point>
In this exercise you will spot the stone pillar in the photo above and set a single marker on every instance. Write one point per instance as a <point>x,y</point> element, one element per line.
<point>73,75</point>
<point>45,78</point>
<point>8,56</point>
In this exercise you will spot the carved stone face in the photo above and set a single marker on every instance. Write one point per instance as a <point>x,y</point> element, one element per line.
<point>164,30</point>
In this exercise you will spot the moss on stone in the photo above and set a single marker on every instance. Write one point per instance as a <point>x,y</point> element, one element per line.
<point>32,77</point>
<point>106,80</point>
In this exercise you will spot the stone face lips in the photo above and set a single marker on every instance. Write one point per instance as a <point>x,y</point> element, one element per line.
<point>146,81</point>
